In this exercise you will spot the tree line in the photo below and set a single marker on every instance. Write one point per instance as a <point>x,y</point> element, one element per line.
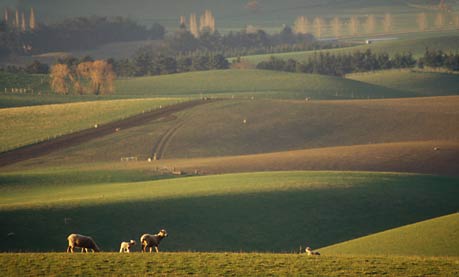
<point>73,34</point>
<point>341,64</point>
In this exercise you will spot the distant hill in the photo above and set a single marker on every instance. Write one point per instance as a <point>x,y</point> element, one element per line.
<point>434,237</point>
<point>249,83</point>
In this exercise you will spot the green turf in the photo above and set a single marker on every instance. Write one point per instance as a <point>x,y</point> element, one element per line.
<point>272,211</point>
<point>422,83</point>
<point>435,237</point>
<point>220,264</point>
<point>26,125</point>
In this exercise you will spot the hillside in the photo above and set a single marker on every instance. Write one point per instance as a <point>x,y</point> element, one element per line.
<point>27,125</point>
<point>434,237</point>
<point>421,83</point>
<point>218,83</point>
<point>273,126</point>
<point>248,83</point>
<point>232,212</point>
<point>416,157</point>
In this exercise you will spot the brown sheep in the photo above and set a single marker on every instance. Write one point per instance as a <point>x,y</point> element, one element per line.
<point>83,242</point>
<point>147,240</point>
<point>126,246</point>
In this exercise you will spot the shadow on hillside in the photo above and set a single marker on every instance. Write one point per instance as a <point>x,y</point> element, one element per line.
<point>274,221</point>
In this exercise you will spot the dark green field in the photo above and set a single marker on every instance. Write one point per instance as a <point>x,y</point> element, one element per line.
<point>273,211</point>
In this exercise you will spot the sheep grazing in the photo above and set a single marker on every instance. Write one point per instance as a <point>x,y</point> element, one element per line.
<point>83,242</point>
<point>311,253</point>
<point>126,246</point>
<point>147,240</point>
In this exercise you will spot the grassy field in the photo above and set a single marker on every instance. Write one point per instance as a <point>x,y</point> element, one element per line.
<point>411,156</point>
<point>221,264</point>
<point>435,237</point>
<point>26,125</point>
<point>421,83</point>
<point>272,126</point>
<point>271,211</point>
<point>220,83</point>
<point>258,83</point>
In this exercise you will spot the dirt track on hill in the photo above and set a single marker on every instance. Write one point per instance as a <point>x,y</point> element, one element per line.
<point>46,147</point>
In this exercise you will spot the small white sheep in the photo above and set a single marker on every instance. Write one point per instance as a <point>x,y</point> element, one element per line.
<point>147,240</point>
<point>126,246</point>
<point>83,242</point>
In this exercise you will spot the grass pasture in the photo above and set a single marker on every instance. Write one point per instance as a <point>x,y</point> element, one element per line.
<point>434,237</point>
<point>219,264</point>
<point>232,212</point>
<point>248,83</point>
<point>275,126</point>
<point>27,125</point>
<point>414,156</point>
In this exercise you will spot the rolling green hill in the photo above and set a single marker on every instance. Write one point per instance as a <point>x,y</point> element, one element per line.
<point>271,211</point>
<point>219,83</point>
<point>435,237</point>
<point>248,83</point>
<point>271,126</point>
<point>422,83</point>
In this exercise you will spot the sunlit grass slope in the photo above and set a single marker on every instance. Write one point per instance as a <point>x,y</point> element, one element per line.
<point>422,83</point>
<point>25,125</point>
<point>435,237</point>
<point>271,211</point>
<point>218,83</point>
<point>250,83</point>
<point>220,264</point>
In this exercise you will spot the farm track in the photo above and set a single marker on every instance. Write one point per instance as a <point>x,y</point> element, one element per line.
<point>160,147</point>
<point>65,141</point>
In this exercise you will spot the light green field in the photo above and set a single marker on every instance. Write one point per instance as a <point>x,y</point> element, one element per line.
<point>218,83</point>
<point>270,211</point>
<point>435,237</point>
<point>26,125</point>
<point>221,264</point>
<point>421,83</point>
<point>248,83</point>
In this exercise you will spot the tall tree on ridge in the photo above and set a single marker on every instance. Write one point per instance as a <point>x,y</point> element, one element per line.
<point>32,23</point>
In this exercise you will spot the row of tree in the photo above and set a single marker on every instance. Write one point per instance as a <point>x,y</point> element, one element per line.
<point>370,24</point>
<point>341,64</point>
<point>74,34</point>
